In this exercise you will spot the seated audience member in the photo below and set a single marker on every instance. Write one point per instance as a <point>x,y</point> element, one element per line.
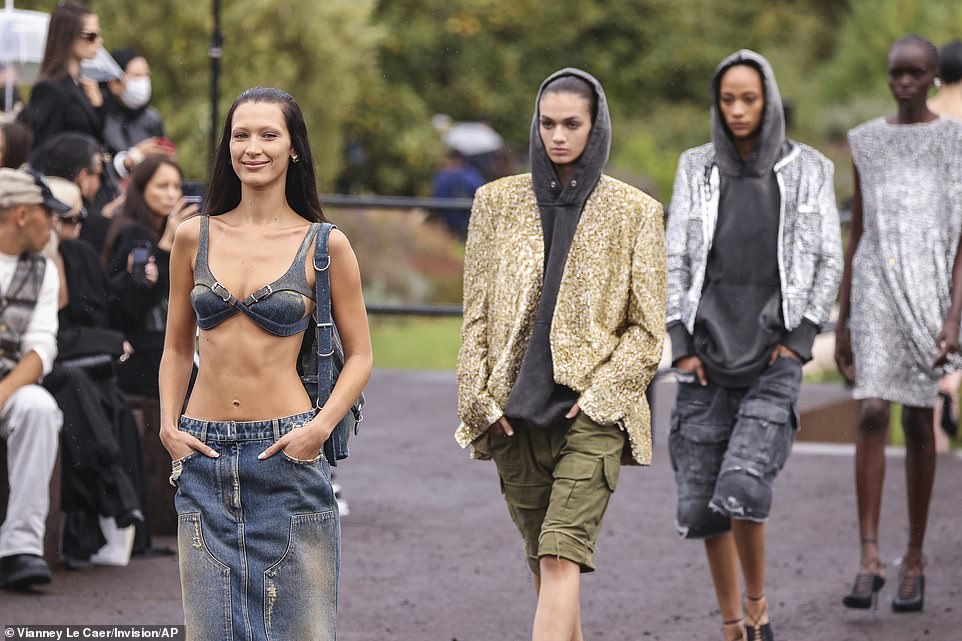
<point>137,255</point>
<point>77,157</point>
<point>102,472</point>
<point>29,418</point>
<point>133,129</point>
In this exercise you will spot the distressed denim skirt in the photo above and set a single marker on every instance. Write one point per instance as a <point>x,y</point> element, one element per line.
<point>259,540</point>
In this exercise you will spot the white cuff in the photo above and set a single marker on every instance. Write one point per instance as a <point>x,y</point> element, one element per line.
<point>119,163</point>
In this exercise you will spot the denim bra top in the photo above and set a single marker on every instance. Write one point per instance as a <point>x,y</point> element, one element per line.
<point>279,308</point>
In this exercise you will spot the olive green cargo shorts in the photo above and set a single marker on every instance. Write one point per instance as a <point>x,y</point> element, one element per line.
<point>557,483</point>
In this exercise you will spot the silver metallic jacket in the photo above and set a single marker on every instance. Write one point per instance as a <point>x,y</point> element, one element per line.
<point>809,251</point>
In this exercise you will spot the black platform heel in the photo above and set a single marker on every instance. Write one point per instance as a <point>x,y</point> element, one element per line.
<point>757,631</point>
<point>910,597</point>
<point>864,594</point>
<point>868,582</point>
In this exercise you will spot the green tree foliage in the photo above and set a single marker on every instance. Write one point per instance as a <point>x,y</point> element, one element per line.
<point>484,59</point>
<point>858,67</point>
<point>370,73</point>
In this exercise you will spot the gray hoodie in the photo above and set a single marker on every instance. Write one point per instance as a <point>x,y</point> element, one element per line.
<point>535,398</point>
<point>739,320</point>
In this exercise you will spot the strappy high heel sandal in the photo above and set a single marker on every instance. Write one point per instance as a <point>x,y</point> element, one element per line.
<point>739,632</point>
<point>756,630</point>
<point>868,582</point>
<point>910,596</point>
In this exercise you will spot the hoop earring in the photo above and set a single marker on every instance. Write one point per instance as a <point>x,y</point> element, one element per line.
<point>295,158</point>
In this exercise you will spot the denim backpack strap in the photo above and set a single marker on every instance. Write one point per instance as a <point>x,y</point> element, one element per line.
<point>335,447</point>
<point>322,315</point>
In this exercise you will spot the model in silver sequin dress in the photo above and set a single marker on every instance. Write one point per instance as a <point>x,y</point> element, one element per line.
<point>911,182</point>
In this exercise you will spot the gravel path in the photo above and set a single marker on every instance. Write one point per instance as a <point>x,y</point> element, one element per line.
<point>430,554</point>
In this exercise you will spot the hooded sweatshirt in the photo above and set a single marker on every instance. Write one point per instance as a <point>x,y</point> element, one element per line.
<point>739,320</point>
<point>536,399</point>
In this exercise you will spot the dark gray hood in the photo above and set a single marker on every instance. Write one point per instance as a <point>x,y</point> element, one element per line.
<point>592,162</point>
<point>772,139</point>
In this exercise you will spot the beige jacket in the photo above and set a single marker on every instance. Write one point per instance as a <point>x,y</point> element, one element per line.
<point>608,324</point>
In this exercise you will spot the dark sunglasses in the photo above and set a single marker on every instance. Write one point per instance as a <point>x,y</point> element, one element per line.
<point>89,36</point>
<point>75,219</point>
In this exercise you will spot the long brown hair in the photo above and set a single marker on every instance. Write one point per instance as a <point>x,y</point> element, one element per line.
<point>135,209</point>
<point>66,23</point>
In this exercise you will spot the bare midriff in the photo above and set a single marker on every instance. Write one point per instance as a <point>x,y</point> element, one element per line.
<point>247,374</point>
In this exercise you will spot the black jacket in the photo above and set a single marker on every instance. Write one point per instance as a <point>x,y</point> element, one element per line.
<point>60,105</point>
<point>124,128</point>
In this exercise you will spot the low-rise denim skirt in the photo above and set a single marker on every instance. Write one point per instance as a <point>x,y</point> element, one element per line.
<point>259,540</point>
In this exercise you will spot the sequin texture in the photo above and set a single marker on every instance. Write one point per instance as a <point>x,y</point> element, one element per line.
<point>911,183</point>
<point>608,324</point>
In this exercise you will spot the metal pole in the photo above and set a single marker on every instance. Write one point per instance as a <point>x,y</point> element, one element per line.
<point>7,76</point>
<point>215,52</point>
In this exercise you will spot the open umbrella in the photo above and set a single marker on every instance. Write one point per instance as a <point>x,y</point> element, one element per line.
<point>101,67</point>
<point>23,36</point>
<point>472,138</point>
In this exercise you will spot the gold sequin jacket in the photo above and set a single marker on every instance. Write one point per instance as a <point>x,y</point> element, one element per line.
<point>608,324</point>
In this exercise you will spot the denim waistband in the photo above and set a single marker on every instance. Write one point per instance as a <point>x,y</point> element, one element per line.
<point>243,430</point>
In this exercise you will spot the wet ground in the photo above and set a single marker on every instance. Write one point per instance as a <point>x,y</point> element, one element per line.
<point>429,553</point>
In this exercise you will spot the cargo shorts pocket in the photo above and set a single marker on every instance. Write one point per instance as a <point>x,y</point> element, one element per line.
<point>573,476</point>
<point>763,434</point>
<point>612,468</point>
<point>696,450</point>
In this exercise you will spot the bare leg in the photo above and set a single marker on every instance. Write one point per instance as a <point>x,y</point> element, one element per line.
<point>723,564</point>
<point>919,476</point>
<point>750,542</point>
<point>558,617</point>
<point>577,635</point>
<point>873,428</point>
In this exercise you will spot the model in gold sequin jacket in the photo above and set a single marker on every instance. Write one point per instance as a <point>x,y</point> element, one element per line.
<point>608,324</point>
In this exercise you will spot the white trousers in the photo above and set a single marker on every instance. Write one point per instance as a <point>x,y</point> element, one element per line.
<point>30,422</point>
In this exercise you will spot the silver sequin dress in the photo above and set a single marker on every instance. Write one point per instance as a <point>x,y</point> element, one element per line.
<point>911,183</point>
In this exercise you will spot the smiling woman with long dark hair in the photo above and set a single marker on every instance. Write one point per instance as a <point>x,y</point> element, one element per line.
<point>263,562</point>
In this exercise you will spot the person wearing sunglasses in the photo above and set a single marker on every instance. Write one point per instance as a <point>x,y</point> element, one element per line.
<point>62,100</point>
<point>29,417</point>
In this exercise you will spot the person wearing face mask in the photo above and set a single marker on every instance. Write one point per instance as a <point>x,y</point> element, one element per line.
<point>754,261</point>
<point>133,129</point>
<point>564,301</point>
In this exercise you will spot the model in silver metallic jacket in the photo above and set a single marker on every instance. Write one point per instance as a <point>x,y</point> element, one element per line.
<point>809,253</point>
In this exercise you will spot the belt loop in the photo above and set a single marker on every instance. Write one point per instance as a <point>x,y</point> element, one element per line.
<point>276,425</point>
<point>203,431</point>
